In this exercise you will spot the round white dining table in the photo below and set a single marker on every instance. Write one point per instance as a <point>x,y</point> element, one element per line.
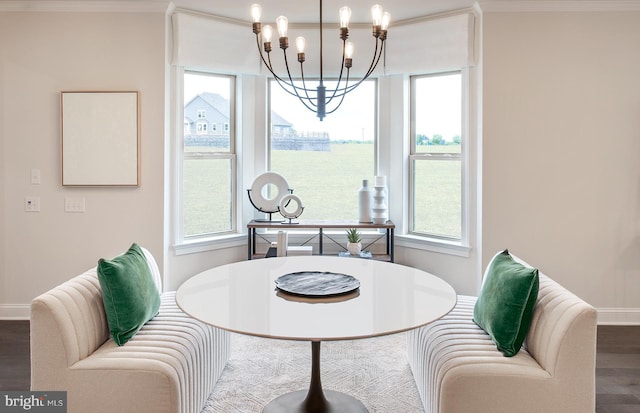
<point>387,298</point>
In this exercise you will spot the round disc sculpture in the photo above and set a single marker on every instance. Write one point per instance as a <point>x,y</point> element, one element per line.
<point>263,201</point>
<point>290,214</point>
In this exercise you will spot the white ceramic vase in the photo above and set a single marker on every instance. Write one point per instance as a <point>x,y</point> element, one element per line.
<point>364,202</point>
<point>380,213</point>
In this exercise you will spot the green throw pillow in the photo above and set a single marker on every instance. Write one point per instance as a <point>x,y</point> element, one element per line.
<point>505,305</point>
<point>129,293</point>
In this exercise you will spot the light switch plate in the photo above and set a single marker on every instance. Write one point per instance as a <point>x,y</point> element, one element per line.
<point>35,177</point>
<point>74,204</point>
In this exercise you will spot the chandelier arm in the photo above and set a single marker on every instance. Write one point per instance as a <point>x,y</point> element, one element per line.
<point>374,64</point>
<point>280,80</point>
<point>341,96</point>
<point>302,99</point>
<point>379,48</point>
<point>335,91</point>
<point>376,58</point>
<point>269,65</point>
<point>260,52</point>
<point>296,89</point>
<point>304,86</point>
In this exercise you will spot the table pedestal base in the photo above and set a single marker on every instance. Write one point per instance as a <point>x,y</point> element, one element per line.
<point>294,402</point>
<point>315,400</point>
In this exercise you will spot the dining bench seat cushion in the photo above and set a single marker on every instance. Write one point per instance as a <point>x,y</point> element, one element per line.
<point>458,368</point>
<point>170,366</point>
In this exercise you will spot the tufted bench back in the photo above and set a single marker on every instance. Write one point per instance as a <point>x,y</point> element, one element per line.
<point>563,330</point>
<point>70,321</point>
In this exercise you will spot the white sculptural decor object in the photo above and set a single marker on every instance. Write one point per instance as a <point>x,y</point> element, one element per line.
<point>364,202</point>
<point>379,209</point>
<point>259,197</point>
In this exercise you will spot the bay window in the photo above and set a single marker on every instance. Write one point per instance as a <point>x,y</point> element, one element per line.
<point>436,156</point>
<point>209,159</point>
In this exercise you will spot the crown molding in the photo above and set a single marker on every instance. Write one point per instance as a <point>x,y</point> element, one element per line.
<point>559,5</point>
<point>98,6</point>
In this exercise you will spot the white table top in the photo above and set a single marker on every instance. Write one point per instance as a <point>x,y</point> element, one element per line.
<point>242,297</point>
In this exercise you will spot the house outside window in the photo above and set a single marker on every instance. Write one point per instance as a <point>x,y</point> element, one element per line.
<point>202,127</point>
<point>209,175</point>
<point>436,156</point>
<point>324,162</point>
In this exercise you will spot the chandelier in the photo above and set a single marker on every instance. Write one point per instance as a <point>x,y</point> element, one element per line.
<point>319,100</point>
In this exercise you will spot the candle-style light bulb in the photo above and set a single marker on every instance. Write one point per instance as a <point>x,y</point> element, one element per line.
<point>348,50</point>
<point>256,12</point>
<point>282,23</point>
<point>376,14</point>
<point>348,53</point>
<point>345,16</point>
<point>267,33</point>
<point>386,19</point>
<point>300,44</point>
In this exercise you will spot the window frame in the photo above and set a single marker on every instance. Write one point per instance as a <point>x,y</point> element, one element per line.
<point>183,243</point>
<point>463,156</point>
<point>271,128</point>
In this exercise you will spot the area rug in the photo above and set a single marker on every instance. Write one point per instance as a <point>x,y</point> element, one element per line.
<point>375,371</point>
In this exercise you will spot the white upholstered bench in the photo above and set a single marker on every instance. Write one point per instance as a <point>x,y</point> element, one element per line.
<point>170,366</point>
<point>458,369</point>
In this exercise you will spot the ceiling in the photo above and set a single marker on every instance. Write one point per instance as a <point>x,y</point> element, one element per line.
<point>306,11</point>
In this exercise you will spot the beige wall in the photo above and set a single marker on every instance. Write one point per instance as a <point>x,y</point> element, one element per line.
<point>42,54</point>
<point>561,176</point>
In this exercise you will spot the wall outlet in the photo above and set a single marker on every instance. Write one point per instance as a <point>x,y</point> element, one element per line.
<point>32,203</point>
<point>74,204</point>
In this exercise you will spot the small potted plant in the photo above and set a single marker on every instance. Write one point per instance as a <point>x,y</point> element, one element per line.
<point>354,246</point>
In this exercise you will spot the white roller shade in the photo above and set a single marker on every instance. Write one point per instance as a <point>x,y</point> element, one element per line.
<point>212,42</point>
<point>422,45</point>
<point>431,45</point>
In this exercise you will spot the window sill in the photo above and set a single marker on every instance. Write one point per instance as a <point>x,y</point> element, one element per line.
<point>433,244</point>
<point>210,244</point>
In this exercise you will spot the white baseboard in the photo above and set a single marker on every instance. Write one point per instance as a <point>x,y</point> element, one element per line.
<point>15,311</point>
<point>619,316</point>
<point>606,316</point>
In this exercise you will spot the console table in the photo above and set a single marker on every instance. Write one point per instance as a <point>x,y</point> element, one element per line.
<point>320,226</point>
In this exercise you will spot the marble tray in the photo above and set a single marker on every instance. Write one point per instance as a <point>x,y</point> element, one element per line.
<point>317,283</point>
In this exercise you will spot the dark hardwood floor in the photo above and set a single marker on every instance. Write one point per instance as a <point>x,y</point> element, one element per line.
<point>618,369</point>
<point>617,364</point>
<point>15,368</point>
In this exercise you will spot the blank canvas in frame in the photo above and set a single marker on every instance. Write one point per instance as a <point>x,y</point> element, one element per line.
<point>100,139</point>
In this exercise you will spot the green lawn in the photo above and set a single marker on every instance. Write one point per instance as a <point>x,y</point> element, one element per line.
<point>327,184</point>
